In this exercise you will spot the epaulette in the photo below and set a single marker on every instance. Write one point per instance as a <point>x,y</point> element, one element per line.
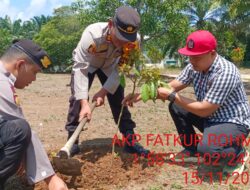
<point>98,48</point>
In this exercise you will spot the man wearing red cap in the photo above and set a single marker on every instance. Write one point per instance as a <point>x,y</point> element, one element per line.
<point>220,111</point>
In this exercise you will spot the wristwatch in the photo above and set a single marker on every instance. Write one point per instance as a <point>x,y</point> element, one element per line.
<point>171,96</point>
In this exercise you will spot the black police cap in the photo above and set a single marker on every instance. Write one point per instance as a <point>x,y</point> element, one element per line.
<point>127,23</point>
<point>34,51</point>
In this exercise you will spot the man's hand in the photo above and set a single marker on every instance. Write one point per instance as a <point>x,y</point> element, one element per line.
<point>130,99</point>
<point>163,93</point>
<point>99,97</point>
<point>85,110</point>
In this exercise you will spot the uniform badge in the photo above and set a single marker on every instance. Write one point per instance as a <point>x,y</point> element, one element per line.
<point>102,48</point>
<point>45,61</point>
<point>129,28</point>
<point>190,44</point>
<point>17,100</point>
<point>108,38</point>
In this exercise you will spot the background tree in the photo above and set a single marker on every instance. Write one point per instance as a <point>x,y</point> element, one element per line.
<point>235,25</point>
<point>159,20</point>
<point>38,21</point>
<point>5,40</point>
<point>59,37</point>
<point>204,14</point>
<point>247,54</point>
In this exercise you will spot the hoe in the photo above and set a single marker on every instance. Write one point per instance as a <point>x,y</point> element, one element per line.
<point>63,162</point>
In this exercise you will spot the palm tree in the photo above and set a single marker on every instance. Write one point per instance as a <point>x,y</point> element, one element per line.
<point>13,28</point>
<point>202,14</point>
<point>38,21</point>
<point>236,7</point>
<point>239,12</point>
<point>5,23</point>
<point>17,27</point>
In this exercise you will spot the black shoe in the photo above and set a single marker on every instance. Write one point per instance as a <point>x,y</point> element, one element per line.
<point>74,150</point>
<point>133,147</point>
<point>136,149</point>
<point>184,156</point>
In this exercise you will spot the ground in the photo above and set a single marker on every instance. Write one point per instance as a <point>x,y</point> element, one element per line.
<point>45,105</point>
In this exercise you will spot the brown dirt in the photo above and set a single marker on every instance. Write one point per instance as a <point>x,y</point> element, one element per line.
<point>45,105</point>
<point>101,170</point>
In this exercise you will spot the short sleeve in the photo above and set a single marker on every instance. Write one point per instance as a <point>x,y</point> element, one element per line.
<point>186,76</point>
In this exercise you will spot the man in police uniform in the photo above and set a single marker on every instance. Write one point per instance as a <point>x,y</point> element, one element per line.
<point>97,53</point>
<point>18,68</point>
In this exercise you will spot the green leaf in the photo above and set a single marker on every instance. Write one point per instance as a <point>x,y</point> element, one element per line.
<point>136,72</point>
<point>122,80</point>
<point>152,91</point>
<point>163,84</point>
<point>145,92</point>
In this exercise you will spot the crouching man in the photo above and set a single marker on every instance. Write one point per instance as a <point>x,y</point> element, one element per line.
<point>18,68</point>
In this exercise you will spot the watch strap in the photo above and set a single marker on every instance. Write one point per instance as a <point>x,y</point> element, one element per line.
<point>171,96</point>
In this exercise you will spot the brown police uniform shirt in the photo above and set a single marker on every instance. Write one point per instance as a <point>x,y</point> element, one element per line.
<point>95,51</point>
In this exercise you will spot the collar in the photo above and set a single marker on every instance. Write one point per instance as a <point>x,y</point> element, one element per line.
<point>10,76</point>
<point>2,69</point>
<point>106,34</point>
<point>213,66</point>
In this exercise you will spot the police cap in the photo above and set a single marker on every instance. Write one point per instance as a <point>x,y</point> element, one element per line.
<point>127,23</point>
<point>38,55</point>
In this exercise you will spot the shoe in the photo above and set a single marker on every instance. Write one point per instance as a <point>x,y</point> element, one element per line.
<point>74,150</point>
<point>206,167</point>
<point>134,147</point>
<point>137,148</point>
<point>239,166</point>
<point>184,156</point>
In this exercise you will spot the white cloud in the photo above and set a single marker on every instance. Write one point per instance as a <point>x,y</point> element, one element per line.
<point>35,8</point>
<point>6,9</point>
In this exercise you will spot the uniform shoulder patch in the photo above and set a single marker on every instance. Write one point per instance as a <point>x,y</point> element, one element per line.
<point>102,48</point>
<point>92,48</point>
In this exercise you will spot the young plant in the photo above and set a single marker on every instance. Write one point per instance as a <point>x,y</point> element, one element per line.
<point>131,65</point>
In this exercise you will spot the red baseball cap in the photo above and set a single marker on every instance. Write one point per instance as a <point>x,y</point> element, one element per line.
<point>198,43</point>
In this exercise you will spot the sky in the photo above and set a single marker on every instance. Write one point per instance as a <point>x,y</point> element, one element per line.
<point>26,9</point>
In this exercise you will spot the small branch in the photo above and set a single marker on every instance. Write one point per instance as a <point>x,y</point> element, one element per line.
<point>119,120</point>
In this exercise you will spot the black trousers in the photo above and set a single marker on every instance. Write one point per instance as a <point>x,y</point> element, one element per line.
<point>114,101</point>
<point>216,138</point>
<point>15,136</point>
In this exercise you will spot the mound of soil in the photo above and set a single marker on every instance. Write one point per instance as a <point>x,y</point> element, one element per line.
<point>102,170</point>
